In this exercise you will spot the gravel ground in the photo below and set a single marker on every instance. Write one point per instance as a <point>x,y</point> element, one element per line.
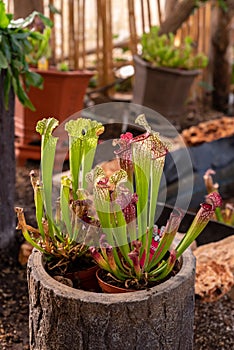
<point>213,326</point>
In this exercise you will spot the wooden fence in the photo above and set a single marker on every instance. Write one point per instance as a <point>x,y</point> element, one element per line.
<point>84,29</point>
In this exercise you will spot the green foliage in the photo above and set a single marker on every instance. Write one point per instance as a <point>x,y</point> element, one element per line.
<point>17,41</point>
<point>40,46</point>
<point>161,51</point>
<point>63,66</point>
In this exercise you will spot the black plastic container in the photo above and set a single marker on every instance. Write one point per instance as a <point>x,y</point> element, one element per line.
<point>213,232</point>
<point>217,155</point>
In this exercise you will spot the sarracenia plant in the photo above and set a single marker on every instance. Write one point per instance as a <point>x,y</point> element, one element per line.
<point>117,219</point>
<point>226,214</point>
<point>127,217</point>
<point>62,235</point>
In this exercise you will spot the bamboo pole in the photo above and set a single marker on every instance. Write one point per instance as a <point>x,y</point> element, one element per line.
<point>53,40</point>
<point>199,46</point>
<point>71,38</point>
<point>109,42</point>
<point>83,35</point>
<point>149,14</point>
<point>104,42</point>
<point>80,35</point>
<point>99,34</point>
<point>77,42</point>
<point>76,15</point>
<point>142,16</point>
<point>204,27</point>
<point>194,32</point>
<point>159,12</point>
<point>132,27</point>
<point>208,28</point>
<point>62,30</point>
<point>207,75</point>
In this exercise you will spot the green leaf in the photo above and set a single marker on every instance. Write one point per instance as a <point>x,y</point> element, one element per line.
<point>3,61</point>
<point>17,65</point>
<point>64,204</point>
<point>45,20</point>
<point>4,20</point>
<point>33,79</point>
<point>48,147</point>
<point>38,200</point>
<point>22,35</point>
<point>23,97</point>
<point>5,48</point>
<point>36,35</point>
<point>54,10</point>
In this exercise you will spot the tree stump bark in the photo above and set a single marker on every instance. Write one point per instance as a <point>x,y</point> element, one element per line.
<point>65,318</point>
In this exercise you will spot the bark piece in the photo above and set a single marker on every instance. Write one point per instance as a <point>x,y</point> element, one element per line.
<point>24,253</point>
<point>214,269</point>
<point>209,131</point>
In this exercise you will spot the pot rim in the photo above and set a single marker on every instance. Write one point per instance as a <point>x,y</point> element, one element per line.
<point>37,272</point>
<point>179,71</point>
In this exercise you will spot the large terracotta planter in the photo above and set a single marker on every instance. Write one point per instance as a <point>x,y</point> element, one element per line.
<point>62,95</point>
<point>165,90</point>
<point>65,318</point>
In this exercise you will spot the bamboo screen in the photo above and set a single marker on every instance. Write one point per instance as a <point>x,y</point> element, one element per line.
<point>87,32</point>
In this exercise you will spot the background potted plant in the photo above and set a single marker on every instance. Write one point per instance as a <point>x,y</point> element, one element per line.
<point>121,243</point>
<point>62,95</point>
<point>165,72</point>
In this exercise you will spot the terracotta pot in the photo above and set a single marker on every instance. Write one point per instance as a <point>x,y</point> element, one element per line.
<point>62,95</point>
<point>85,279</point>
<point>108,288</point>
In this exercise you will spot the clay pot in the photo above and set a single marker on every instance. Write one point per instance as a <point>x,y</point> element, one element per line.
<point>109,288</point>
<point>85,279</point>
<point>62,95</point>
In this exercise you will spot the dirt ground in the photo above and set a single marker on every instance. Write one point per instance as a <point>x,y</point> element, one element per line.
<point>213,326</point>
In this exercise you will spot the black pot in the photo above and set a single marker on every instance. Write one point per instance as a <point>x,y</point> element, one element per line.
<point>213,232</point>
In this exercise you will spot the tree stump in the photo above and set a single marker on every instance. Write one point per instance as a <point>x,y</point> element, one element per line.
<point>7,167</point>
<point>65,318</point>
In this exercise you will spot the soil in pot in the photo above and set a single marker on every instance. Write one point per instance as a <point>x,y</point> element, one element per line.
<point>81,273</point>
